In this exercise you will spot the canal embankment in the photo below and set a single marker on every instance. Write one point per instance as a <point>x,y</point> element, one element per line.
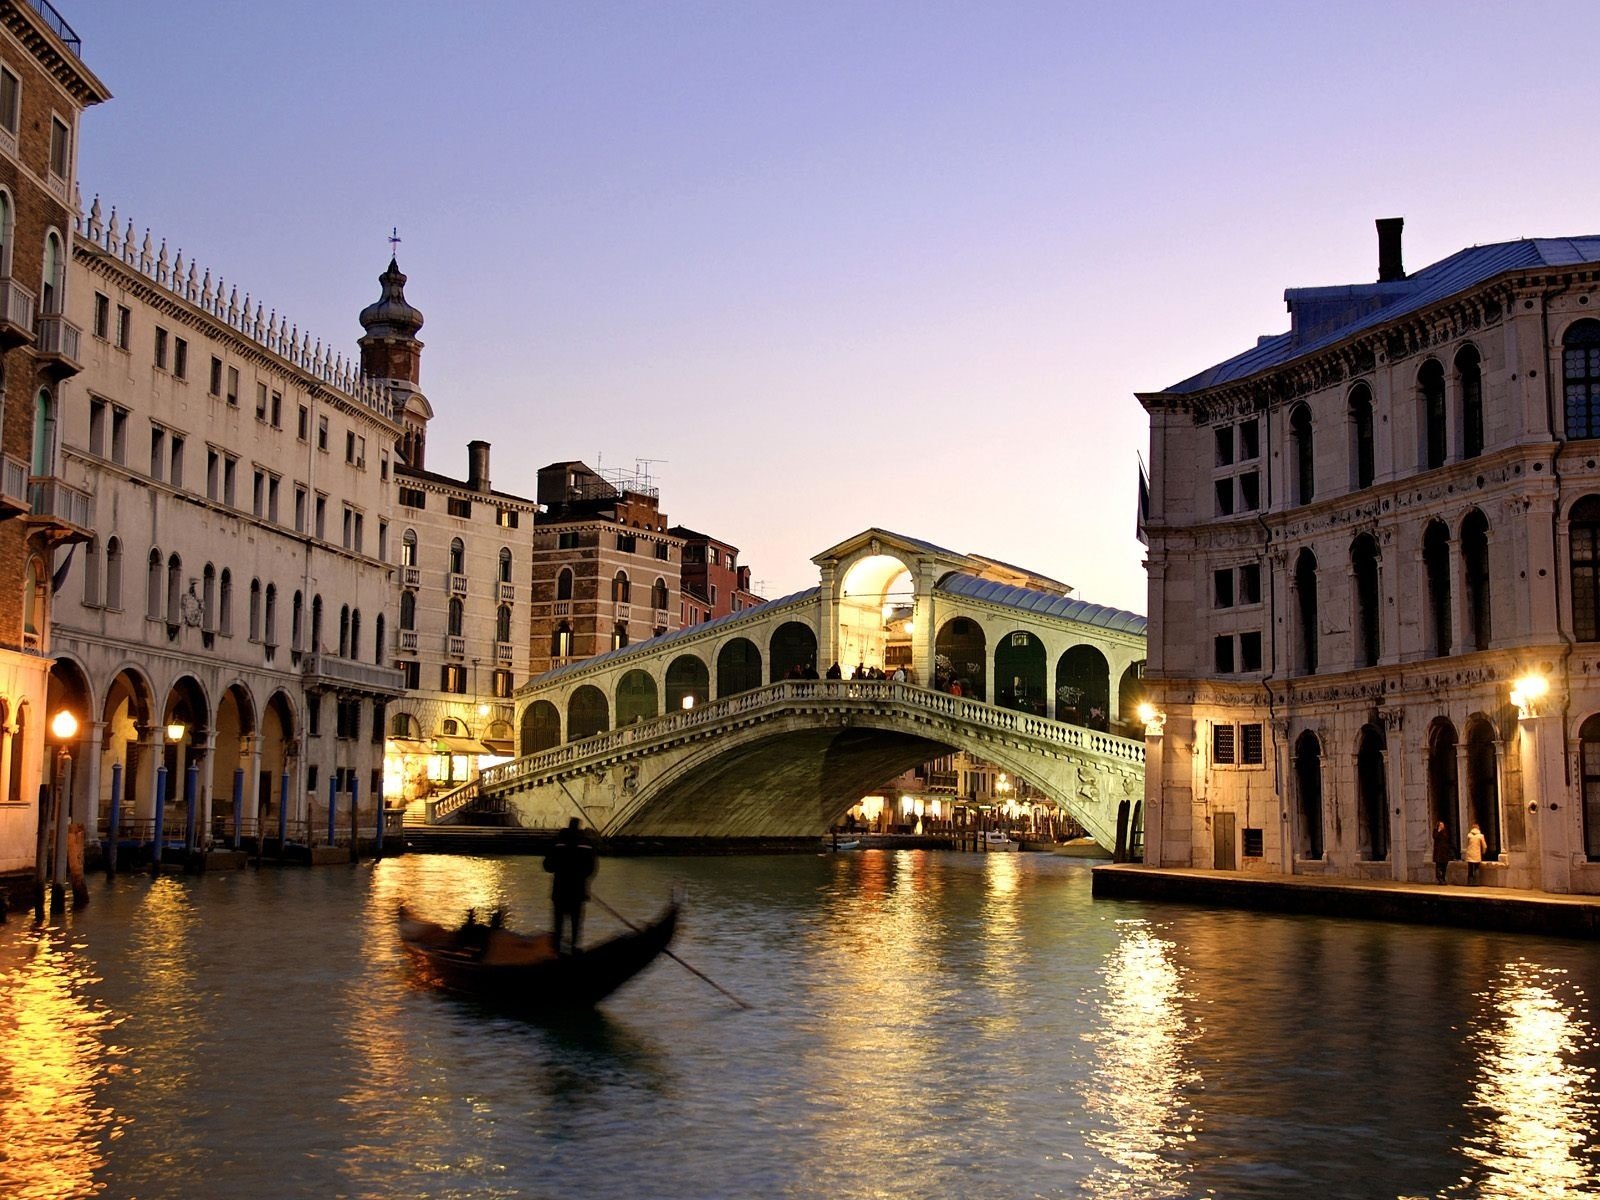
<point>1508,910</point>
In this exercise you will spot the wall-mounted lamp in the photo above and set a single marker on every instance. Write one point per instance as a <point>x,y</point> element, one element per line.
<point>1155,721</point>
<point>1527,692</point>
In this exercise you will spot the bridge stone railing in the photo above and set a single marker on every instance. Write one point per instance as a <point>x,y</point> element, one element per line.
<point>792,693</point>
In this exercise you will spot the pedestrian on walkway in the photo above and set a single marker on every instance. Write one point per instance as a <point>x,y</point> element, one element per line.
<point>1443,852</point>
<point>1476,845</point>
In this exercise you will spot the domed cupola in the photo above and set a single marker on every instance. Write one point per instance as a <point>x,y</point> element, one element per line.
<point>389,348</point>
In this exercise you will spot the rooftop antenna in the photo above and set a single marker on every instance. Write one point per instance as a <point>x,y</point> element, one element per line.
<point>642,466</point>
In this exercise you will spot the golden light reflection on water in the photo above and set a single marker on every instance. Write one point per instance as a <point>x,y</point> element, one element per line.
<point>1535,1102</point>
<point>53,1058</point>
<point>1137,1088</point>
<point>1003,938</point>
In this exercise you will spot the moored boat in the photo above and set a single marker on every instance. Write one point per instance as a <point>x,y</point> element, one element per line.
<point>525,971</point>
<point>997,839</point>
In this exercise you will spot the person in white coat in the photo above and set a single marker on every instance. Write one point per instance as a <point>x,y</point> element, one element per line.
<point>1476,845</point>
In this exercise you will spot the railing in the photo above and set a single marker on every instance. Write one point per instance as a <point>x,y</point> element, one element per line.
<point>779,697</point>
<point>455,646</point>
<point>58,25</point>
<point>441,807</point>
<point>505,652</point>
<point>405,639</point>
<point>562,608</point>
<point>410,576</point>
<point>330,668</point>
<point>53,499</point>
<point>658,617</point>
<point>16,305</point>
<point>458,584</point>
<point>508,593</point>
<point>14,481</point>
<point>624,612</point>
<point>57,336</point>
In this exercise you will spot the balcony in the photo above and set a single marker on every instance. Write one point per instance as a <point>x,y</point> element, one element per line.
<point>58,511</point>
<point>505,652</point>
<point>14,499</point>
<point>411,577</point>
<point>563,608</point>
<point>16,315</point>
<point>455,646</point>
<point>508,593</point>
<point>57,347</point>
<point>345,674</point>
<point>624,612</point>
<point>406,640</point>
<point>458,584</point>
<point>658,617</point>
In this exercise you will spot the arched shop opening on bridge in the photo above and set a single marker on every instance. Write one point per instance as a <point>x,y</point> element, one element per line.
<point>876,615</point>
<point>957,794</point>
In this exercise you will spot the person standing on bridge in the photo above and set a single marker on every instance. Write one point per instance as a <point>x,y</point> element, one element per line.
<point>572,861</point>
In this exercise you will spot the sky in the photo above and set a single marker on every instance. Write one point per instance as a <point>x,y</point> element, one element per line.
<point>821,266</point>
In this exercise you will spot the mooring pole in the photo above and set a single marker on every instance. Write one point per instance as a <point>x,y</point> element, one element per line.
<point>333,805</point>
<point>283,815</point>
<point>161,819</point>
<point>114,830</point>
<point>191,785</point>
<point>355,819</point>
<point>238,804</point>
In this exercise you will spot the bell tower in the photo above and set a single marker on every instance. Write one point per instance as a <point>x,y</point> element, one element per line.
<point>391,354</point>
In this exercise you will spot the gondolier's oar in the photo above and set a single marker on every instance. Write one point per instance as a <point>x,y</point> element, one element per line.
<point>665,949</point>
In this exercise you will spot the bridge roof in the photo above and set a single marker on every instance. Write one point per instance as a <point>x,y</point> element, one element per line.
<point>650,645</point>
<point>1044,603</point>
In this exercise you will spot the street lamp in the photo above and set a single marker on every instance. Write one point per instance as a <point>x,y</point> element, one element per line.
<point>63,727</point>
<point>1526,693</point>
<point>176,730</point>
<point>688,703</point>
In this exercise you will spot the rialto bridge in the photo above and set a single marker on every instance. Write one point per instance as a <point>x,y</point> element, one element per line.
<point>732,729</point>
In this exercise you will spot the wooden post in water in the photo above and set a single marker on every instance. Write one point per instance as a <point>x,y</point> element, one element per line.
<point>283,816</point>
<point>333,805</point>
<point>355,819</point>
<point>161,819</point>
<point>114,825</point>
<point>238,804</point>
<point>41,860</point>
<point>191,785</point>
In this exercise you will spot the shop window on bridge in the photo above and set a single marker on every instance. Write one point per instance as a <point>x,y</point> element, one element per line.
<point>1019,668</point>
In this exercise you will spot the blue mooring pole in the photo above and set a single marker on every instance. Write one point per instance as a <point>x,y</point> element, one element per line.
<point>283,814</point>
<point>333,804</point>
<point>191,786</point>
<point>238,805</point>
<point>114,830</point>
<point>161,818</point>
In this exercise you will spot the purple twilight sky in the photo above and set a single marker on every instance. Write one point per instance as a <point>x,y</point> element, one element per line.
<point>832,265</point>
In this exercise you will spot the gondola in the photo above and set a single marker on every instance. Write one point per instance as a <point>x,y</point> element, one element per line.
<point>524,972</point>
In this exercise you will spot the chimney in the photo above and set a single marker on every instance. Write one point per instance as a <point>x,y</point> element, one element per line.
<point>478,466</point>
<point>1390,267</point>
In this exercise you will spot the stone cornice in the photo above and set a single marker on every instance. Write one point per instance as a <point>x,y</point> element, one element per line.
<point>51,53</point>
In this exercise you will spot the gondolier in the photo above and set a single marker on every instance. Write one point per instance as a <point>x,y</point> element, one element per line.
<point>572,862</point>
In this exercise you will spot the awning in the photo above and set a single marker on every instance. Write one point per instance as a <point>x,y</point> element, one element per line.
<point>411,746</point>
<point>501,746</point>
<point>460,745</point>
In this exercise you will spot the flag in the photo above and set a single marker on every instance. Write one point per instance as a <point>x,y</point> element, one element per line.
<point>60,577</point>
<point>1144,505</point>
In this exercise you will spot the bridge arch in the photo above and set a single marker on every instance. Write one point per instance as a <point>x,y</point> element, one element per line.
<point>738,667</point>
<point>792,645</point>
<point>961,656</point>
<point>1020,673</point>
<point>1083,687</point>
<point>876,598</point>
<point>688,682</point>
<point>587,713</point>
<point>541,727</point>
<point>636,698</point>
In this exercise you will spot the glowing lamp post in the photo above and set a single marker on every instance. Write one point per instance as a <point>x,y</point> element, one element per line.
<point>63,728</point>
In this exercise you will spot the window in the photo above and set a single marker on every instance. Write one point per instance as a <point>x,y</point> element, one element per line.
<point>453,678</point>
<point>299,508</point>
<point>233,387</point>
<point>180,358</point>
<point>102,316</point>
<point>1436,567</point>
<point>114,574</point>
<point>1305,586</point>
<point>564,585</point>
<point>411,673</point>
<point>715,555</point>
<point>1583,531</point>
<point>97,427</point>
<point>208,599</point>
<point>506,518</point>
<point>297,621</point>
<point>1224,744</point>
<point>161,348</point>
<point>322,516</point>
<point>1250,583</point>
<point>214,386</point>
<point>408,611</point>
<point>1237,486</point>
<point>621,588</point>
<point>619,636</point>
<point>225,604</point>
<point>230,471</point>
<point>383,539</point>
<point>1238,745</point>
<point>1250,651</point>
<point>158,452</point>
<point>277,410</point>
<point>152,587</point>
<point>502,623</point>
<point>91,575</point>
<point>458,557</point>
<point>272,498</point>
<point>658,595</point>
<point>176,478</point>
<point>322,434</point>
<point>261,402</point>
<point>347,526</point>
<point>502,685</point>
<point>408,548</point>
<point>255,610</point>
<point>663,551</point>
<point>626,543</point>
<point>1430,395</point>
<point>1364,563</point>
<point>1580,371</point>
<point>1305,468</point>
<point>561,641</point>
<point>1222,588</point>
<point>174,587</point>
<point>349,446</point>
<point>1475,573</point>
<point>258,493</point>
<point>383,467</point>
<point>1589,754</point>
<point>458,507</point>
<point>567,540</point>
<point>302,428</point>
<point>1222,657</point>
<point>124,327</point>
<point>1469,382</point>
<point>10,102</point>
<point>314,722</point>
<point>60,148</point>
<point>454,619</point>
<point>411,497</point>
<point>505,564</point>
<point>347,719</point>
<point>1361,444</point>
<point>119,434</point>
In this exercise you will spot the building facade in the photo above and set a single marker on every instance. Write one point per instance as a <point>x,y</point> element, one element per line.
<point>44,89</point>
<point>714,582</point>
<point>1375,579</point>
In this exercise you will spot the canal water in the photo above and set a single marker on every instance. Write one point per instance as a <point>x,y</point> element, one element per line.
<point>923,1025</point>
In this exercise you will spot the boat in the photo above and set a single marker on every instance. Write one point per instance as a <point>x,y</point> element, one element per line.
<point>852,844</point>
<point>525,971</point>
<point>997,839</point>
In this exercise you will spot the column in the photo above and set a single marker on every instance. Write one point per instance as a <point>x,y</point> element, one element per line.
<point>1550,824</point>
<point>250,818</point>
<point>86,801</point>
<point>151,753</point>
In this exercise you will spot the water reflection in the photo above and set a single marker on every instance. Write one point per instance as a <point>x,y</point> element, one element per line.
<point>1141,1071</point>
<point>1534,1102</point>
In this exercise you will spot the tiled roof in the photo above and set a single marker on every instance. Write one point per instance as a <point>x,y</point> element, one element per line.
<point>1044,603</point>
<point>1387,301</point>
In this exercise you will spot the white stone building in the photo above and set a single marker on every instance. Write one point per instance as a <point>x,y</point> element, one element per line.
<point>233,610</point>
<point>1375,579</point>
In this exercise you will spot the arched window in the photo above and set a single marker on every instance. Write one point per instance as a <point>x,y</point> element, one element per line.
<point>1430,397</point>
<point>269,624</point>
<point>1580,371</point>
<point>1589,741</point>
<point>458,557</point>
<point>33,594</point>
<point>152,587</point>
<point>297,623</point>
<point>1364,562</point>
<point>1475,570</point>
<point>408,548</point>
<point>1308,792</point>
<point>5,233</point>
<point>457,612</point>
<point>505,564</point>
<point>377,641</point>
<point>1305,586</point>
<point>344,631</point>
<point>1469,381</point>
<point>355,633</point>
<point>53,281</point>
<point>225,603</point>
<point>408,611</point>
<point>316,625</point>
<point>44,433</point>
<point>1361,443</point>
<point>174,587</point>
<point>1372,787</point>
<point>255,610</point>
<point>621,589</point>
<point>1442,792</point>
<point>658,595</point>
<point>208,599</point>
<point>1305,466</point>
<point>502,623</point>
<point>1436,566</point>
<point>561,641</point>
<point>564,585</point>
<point>619,636</point>
<point>114,573</point>
<point>91,573</point>
<point>1583,531</point>
<point>1483,783</point>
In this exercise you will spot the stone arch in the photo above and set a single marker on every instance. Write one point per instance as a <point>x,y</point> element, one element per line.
<point>738,667</point>
<point>1308,794</point>
<point>1443,795</point>
<point>1475,576</point>
<point>792,645</point>
<point>235,722</point>
<point>67,689</point>
<point>185,713</point>
<point>874,592</point>
<point>688,682</point>
<point>1589,782</point>
<point>1083,687</point>
<point>1020,673</point>
<point>541,727</point>
<point>636,698</point>
<point>1483,781</point>
<point>1131,694</point>
<point>587,713</point>
<point>960,656</point>
<point>129,737</point>
<point>1372,794</point>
